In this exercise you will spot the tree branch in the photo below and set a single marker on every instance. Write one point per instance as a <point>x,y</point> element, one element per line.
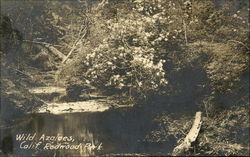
<point>239,42</point>
<point>75,45</point>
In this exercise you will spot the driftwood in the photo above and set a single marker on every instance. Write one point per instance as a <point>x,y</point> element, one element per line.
<point>191,136</point>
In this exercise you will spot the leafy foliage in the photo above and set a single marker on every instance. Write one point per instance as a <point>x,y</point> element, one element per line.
<point>129,44</point>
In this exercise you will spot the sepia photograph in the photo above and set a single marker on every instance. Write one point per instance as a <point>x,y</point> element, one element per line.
<point>115,78</point>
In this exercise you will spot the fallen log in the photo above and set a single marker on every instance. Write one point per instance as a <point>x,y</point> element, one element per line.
<point>49,46</point>
<point>56,52</point>
<point>190,138</point>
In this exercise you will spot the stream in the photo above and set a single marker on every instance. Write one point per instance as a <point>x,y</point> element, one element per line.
<point>117,131</point>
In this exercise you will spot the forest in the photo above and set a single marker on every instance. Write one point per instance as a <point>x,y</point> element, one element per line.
<point>132,71</point>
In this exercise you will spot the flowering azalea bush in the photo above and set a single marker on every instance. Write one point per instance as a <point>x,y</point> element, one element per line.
<point>121,62</point>
<point>129,57</point>
<point>130,70</point>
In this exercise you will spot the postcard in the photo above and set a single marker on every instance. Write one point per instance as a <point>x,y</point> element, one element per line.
<point>124,78</point>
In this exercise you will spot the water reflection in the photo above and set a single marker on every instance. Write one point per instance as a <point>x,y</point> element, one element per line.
<point>112,132</point>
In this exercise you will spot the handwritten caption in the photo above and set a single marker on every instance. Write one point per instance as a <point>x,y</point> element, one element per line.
<point>46,142</point>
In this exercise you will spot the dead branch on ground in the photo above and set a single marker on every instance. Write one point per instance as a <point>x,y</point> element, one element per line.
<point>190,138</point>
